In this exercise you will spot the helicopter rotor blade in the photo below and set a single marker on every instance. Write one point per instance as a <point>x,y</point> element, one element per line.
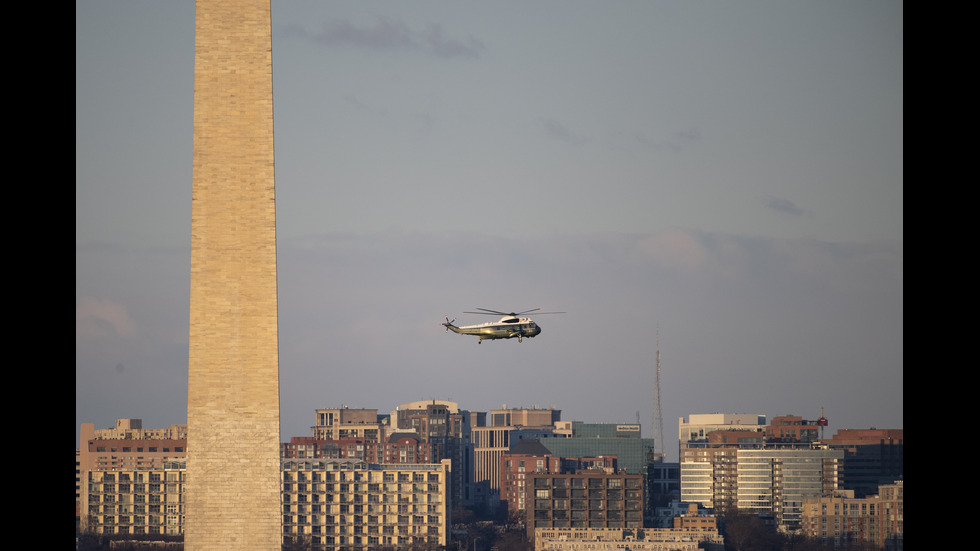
<point>488,312</point>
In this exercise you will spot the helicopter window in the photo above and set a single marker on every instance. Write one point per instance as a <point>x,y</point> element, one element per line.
<point>511,320</point>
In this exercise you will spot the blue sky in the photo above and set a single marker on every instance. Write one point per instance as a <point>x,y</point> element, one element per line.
<point>728,175</point>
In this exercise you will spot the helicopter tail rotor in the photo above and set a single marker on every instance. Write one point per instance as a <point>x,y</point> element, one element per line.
<point>448,324</point>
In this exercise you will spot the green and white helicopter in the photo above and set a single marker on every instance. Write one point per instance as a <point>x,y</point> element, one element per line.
<point>507,327</point>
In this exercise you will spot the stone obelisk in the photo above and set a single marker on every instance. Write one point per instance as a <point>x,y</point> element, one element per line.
<point>233,475</point>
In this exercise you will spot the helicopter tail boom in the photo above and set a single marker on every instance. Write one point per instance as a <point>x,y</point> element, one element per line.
<point>449,325</point>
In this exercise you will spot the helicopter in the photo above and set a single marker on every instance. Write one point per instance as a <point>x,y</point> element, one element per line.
<point>510,325</point>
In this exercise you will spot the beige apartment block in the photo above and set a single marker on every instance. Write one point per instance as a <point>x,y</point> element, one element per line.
<point>840,518</point>
<point>127,446</point>
<point>338,505</point>
<point>327,504</point>
<point>610,539</point>
<point>135,501</point>
<point>232,492</point>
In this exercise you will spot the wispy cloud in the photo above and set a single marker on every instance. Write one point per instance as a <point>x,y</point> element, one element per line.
<point>785,206</point>
<point>391,35</point>
<point>96,318</point>
<point>560,132</point>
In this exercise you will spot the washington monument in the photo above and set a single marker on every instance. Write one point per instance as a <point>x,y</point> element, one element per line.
<point>233,488</point>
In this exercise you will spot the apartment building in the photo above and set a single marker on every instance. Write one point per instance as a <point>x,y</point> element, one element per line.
<point>694,521</point>
<point>352,505</point>
<point>690,530</point>
<point>400,448</point>
<point>585,499</point>
<point>633,454</point>
<point>129,446</point>
<point>842,518</point>
<point>729,463</point>
<point>345,422</point>
<point>530,456</point>
<point>134,501</point>
<point>793,428</point>
<point>649,539</point>
<point>507,427</point>
<point>328,504</point>
<point>441,423</point>
<point>696,427</point>
<point>125,447</point>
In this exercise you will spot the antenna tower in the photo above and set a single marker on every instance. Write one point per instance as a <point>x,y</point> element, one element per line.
<point>659,419</point>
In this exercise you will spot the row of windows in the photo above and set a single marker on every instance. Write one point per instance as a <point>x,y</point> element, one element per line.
<point>592,505</point>
<point>130,509</point>
<point>358,476</point>
<point>582,493</point>
<point>568,482</point>
<point>373,523</point>
<point>139,449</point>
<point>135,498</point>
<point>392,488</point>
<point>393,508</point>
<point>563,523</point>
<point>590,515</point>
<point>108,477</point>
<point>369,541</point>
<point>144,521</point>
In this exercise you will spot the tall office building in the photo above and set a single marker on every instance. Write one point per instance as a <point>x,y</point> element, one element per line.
<point>442,423</point>
<point>494,440</point>
<point>776,481</point>
<point>768,469</point>
<point>872,457</point>
<point>232,483</point>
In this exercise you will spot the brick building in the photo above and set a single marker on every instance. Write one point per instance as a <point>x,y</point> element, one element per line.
<point>586,499</point>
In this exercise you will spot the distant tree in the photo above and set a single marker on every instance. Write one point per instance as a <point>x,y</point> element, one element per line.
<point>462,515</point>
<point>858,545</point>
<point>297,543</point>
<point>512,541</point>
<point>803,543</point>
<point>747,532</point>
<point>92,541</point>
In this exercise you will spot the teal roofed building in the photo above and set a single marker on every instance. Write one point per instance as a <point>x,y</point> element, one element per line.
<point>633,454</point>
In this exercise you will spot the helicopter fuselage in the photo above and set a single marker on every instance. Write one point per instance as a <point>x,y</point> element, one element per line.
<point>507,328</point>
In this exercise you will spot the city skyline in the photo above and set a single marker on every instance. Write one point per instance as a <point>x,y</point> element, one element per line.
<point>729,177</point>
